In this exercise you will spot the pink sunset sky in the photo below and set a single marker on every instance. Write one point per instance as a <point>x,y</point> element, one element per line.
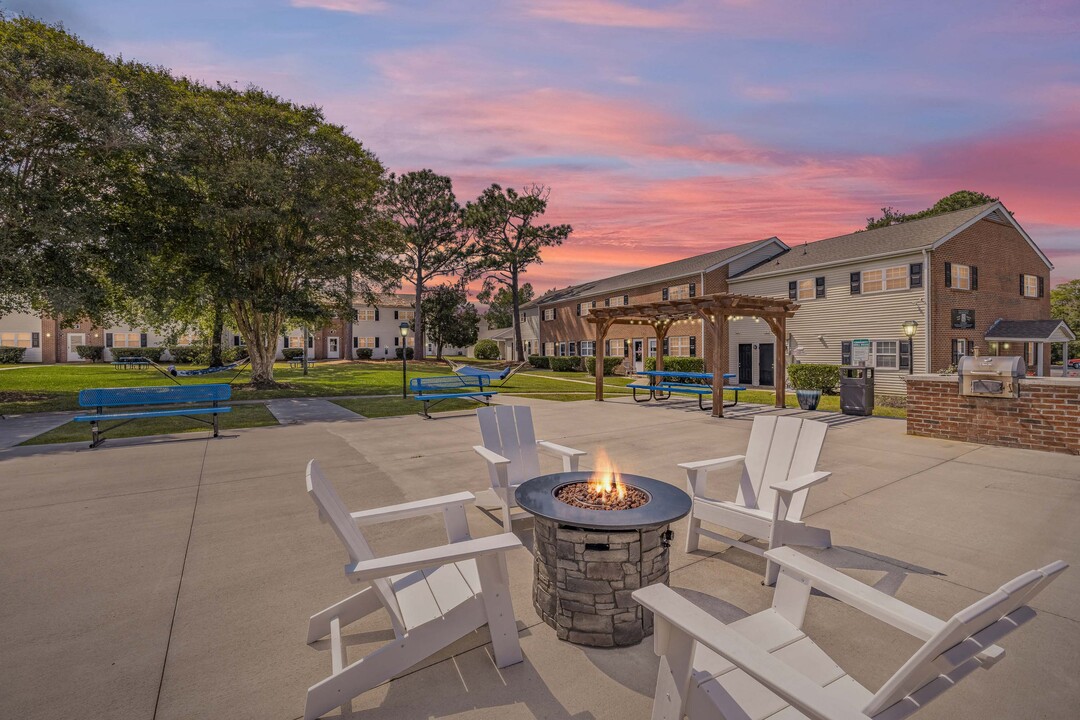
<point>669,128</point>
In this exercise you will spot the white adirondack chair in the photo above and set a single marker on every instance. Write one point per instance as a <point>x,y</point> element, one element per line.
<point>433,596</point>
<point>778,470</point>
<point>510,449</point>
<point>766,666</point>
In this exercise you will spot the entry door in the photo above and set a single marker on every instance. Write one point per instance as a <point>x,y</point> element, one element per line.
<point>746,364</point>
<point>73,340</point>
<point>333,348</point>
<point>639,355</point>
<point>765,364</point>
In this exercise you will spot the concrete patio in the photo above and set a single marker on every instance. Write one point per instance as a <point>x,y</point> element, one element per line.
<point>173,578</point>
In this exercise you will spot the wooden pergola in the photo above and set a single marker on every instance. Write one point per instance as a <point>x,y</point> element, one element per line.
<point>714,311</point>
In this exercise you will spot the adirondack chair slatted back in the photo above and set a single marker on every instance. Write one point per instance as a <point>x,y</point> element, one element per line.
<point>780,448</point>
<point>333,511</point>
<point>154,395</point>
<point>508,431</point>
<point>959,640</point>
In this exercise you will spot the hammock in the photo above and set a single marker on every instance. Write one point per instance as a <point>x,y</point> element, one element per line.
<point>204,371</point>
<point>492,375</point>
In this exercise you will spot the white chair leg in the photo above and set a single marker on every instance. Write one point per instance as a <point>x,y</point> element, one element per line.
<point>692,534</point>
<point>570,463</point>
<point>495,592</point>
<point>507,524</point>
<point>676,650</point>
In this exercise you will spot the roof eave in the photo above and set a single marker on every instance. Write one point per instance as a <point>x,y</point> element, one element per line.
<point>1008,216</point>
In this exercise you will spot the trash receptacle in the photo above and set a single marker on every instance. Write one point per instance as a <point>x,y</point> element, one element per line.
<point>856,390</point>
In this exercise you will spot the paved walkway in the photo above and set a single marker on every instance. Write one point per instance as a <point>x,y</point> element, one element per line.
<point>15,429</point>
<point>291,411</point>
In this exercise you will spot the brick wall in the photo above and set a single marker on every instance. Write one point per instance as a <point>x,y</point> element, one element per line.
<point>1001,254</point>
<point>1046,416</point>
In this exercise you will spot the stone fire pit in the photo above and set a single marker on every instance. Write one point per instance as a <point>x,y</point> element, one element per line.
<point>589,561</point>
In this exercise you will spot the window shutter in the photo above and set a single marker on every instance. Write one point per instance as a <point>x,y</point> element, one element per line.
<point>856,283</point>
<point>579,309</point>
<point>955,351</point>
<point>665,347</point>
<point>376,314</point>
<point>1041,286</point>
<point>573,349</point>
<point>948,274</point>
<point>35,338</point>
<point>376,341</point>
<point>236,341</point>
<point>284,340</point>
<point>693,346</point>
<point>915,275</point>
<point>142,339</point>
<point>1021,284</point>
<point>356,342</point>
<point>108,339</point>
<point>693,289</point>
<point>974,278</point>
<point>396,338</point>
<point>396,315</point>
<point>905,354</point>
<point>845,352</point>
<point>792,290</point>
<point>607,302</point>
<point>664,294</point>
<point>625,299</point>
<point>310,341</point>
<point>819,287</point>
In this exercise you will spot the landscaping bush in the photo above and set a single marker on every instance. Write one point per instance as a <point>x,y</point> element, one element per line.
<point>150,353</point>
<point>186,354</point>
<point>539,361</point>
<point>678,363</point>
<point>610,363</point>
<point>410,353</point>
<point>11,355</point>
<point>815,376</point>
<point>486,349</point>
<point>93,353</point>
<point>292,353</point>
<point>564,364</point>
<point>364,353</point>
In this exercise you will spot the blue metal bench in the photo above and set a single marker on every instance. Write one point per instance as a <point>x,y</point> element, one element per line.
<point>433,390</point>
<point>141,397</point>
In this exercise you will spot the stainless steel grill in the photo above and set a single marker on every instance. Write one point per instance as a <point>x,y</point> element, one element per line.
<point>991,376</point>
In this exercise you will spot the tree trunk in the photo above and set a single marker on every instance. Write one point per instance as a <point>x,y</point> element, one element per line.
<point>519,347</point>
<point>260,331</point>
<point>217,327</point>
<point>418,318</point>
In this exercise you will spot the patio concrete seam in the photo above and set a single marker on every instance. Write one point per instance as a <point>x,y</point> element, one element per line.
<point>104,497</point>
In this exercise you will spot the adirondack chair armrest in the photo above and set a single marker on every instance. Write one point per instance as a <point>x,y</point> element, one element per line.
<point>429,506</point>
<point>491,457</point>
<point>556,449</point>
<point>782,679</point>
<point>803,482</point>
<point>430,557</point>
<point>714,464</point>
<point>858,595</point>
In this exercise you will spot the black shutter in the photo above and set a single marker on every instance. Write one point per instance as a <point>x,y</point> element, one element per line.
<point>236,341</point>
<point>974,278</point>
<point>108,339</point>
<point>355,342</point>
<point>395,315</point>
<point>607,302</point>
<point>142,339</point>
<point>376,341</point>
<point>693,346</point>
<point>376,314</point>
<point>948,274</point>
<point>579,309</point>
<point>693,290</point>
<point>856,283</point>
<point>792,290</point>
<point>35,339</point>
<point>573,349</point>
<point>819,287</point>
<point>625,299</point>
<point>1042,287</point>
<point>1022,283</point>
<point>664,294</point>
<point>396,338</point>
<point>915,275</point>
<point>955,351</point>
<point>845,352</point>
<point>905,354</point>
<point>665,347</point>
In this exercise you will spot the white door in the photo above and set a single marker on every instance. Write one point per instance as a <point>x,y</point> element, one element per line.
<point>74,340</point>
<point>639,356</point>
<point>332,348</point>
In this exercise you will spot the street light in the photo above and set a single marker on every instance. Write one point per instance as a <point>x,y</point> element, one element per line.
<point>403,328</point>
<point>910,327</point>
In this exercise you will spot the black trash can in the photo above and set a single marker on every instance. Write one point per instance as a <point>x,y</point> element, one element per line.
<point>856,390</point>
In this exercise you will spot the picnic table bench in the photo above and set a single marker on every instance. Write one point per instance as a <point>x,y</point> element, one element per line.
<point>433,390</point>
<point>142,397</point>
<point>660,387</point>
<point>131,363</point>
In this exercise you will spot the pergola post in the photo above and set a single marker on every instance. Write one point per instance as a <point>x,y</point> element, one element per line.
<point>718,363</point>
<point>601,335</point>
<point>661,329</point>
<point>779,328</point>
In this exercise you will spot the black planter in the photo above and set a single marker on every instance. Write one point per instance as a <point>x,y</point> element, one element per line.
<point>808,399</point>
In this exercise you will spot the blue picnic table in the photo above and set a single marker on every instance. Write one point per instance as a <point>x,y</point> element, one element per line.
<point>663,383</point>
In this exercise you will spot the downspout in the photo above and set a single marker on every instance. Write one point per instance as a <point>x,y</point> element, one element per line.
<point>927,281</point>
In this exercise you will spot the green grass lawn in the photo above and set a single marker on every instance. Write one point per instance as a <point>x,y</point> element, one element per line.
<point>242,416</point>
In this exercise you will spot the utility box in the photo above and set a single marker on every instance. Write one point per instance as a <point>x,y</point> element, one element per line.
<point>856,390</point>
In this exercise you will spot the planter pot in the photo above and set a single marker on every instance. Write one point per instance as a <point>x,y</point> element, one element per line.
<point>808,399</point>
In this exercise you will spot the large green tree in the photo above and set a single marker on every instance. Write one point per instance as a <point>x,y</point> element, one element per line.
<point>510,238</point>
<point>500,313</point>
<point>1065,305</point>
<point>452,320</point>
<point>958,200</point>
<point>423,205</point>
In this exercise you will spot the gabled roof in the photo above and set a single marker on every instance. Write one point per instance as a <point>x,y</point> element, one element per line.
<point>657,273</point>
<point>388,300</point>
<point>910,236</point>
<point>1031,331</point>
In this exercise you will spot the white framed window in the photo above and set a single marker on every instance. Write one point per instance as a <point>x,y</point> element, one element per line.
<point>1031,286</point>
<point>365,314</point>
<point>961,277</point>
<point>652,347</point>
<point>548,348</point>
<point>587,348</point>
<point>616,347</point>
<point>887,354</point>
<point>562,349</point>
<point>806,289</point>
<point>126,340</point>
<point>521,317</point>
<point>679,292</point>
<point>549,313</point>
<point>885,279</point>
<point>617,301</point>
<point>363,342</point>
<point>406,314</point>
<point>679,345</point>
<point>16,339</point>
<point>185,340</point>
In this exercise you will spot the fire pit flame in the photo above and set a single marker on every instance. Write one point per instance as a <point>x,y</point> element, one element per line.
<point>603,490</point>
<point>606,484</point>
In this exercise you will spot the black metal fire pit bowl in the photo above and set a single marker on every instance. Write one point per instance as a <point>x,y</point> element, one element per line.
<point>588,563</point>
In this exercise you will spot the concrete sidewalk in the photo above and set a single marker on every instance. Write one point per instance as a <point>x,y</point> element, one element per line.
<point>16,429</point>
<point>175,579</point>
<point>291,411</point>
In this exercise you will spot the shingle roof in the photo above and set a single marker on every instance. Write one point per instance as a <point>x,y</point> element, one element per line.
<point>912,235</point>
<point>656,273</point>
<point>1027,329</point>
<point>388,300</point>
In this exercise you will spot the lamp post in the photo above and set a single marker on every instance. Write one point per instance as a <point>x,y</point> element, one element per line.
<point>910,327</point>
<point>403,328</point>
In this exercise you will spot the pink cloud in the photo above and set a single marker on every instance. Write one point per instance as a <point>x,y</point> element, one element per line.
<point>356,7</point>
<point>608,13</point>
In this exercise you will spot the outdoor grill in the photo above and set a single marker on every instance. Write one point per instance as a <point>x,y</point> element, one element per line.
<point>989,376</point>
<point>594,547</point>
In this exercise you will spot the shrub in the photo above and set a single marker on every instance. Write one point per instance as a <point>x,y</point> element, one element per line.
<point>292,353</point>
<point>814,376</point>
<point>11,355</point>
<point>409,355</point>
<point>364,353</point>
<point>610,363</point>
<point>564,364</point>
<point>150,353</point>
<point>539,361</point>
<point>678,363</point>
<point>186,354</point>
<point>486,349</point>
<point>93,353</point>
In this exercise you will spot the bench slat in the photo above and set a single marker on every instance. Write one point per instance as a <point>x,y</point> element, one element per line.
<point>154,395</point>
<point>443,396</point>
<point>154,413</point>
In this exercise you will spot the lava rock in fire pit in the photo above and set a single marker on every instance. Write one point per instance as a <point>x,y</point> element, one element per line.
<point>585,495</point>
